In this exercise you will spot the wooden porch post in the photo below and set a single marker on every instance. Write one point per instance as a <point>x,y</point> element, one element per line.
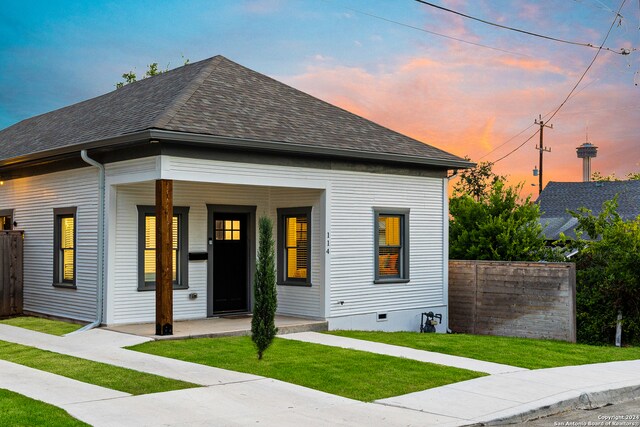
<point>164,264</point>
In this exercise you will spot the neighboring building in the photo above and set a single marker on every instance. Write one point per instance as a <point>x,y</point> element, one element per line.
<point>558,198</point>
<point>361,211</point>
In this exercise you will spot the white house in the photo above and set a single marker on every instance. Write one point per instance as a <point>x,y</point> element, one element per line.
<point>361,211</point>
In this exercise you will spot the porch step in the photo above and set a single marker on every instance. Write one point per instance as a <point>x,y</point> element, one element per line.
<point>307,326</point>
<point>316,326</point>
<point>221,327</point>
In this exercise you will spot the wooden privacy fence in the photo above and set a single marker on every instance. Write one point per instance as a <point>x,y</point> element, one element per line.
<point>518,299</point>
<point>11,243</point>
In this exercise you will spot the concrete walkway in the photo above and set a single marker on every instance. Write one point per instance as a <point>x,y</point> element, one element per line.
<point>407,353</point>
<point>51,388</point>
<point>230,398</point>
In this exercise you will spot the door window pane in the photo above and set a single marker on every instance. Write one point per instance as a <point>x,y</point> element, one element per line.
<point>227,230</point>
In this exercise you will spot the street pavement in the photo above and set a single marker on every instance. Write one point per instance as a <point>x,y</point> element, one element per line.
<point>229,398</point>
<point>622,414</point>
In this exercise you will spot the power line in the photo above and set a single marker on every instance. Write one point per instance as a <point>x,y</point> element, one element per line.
<point>590,64</point>
<point>601,7</point>
<point>508,141</point>
<point>623,51</point>
<point>533,124</point>
<point>433,32</point>
<point>574,87</point>
<point>517,148</point>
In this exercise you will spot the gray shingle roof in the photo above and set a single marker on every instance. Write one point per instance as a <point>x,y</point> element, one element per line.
<point>212,97</point>
<point>557,197</point>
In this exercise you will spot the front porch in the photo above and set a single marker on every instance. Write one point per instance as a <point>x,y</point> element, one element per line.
<point>213,251</point>
<point>220,327</point>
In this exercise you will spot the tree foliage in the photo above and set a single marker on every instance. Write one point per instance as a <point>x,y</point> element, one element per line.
<point>631,176</point>
<point>152,70</point>
<point>263,328</point>
<point>489,221</point>
<point>607,275</point>
<point>131,77</point>
<point>477,181</point>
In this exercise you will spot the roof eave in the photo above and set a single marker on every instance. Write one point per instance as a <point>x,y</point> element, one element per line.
<point>227,142</point>
<point>57,152</point>
<point>285,147</point>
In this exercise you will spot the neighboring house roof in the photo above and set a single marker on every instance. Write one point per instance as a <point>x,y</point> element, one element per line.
<point>218,98</point>
<point>558,197</point>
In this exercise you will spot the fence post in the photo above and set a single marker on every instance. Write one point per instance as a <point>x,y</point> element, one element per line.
<point>11,272</point>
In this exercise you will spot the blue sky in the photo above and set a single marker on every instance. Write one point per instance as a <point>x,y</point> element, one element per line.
<point>464,98</point>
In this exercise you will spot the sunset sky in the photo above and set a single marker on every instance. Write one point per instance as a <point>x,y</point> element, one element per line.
<point>468,96</point>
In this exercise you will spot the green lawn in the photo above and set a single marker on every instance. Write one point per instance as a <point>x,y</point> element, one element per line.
<point>349,373</point>
<point>101,374</point>
<point>48,326</point>
<point>18,410</point>
<point>522,352</point>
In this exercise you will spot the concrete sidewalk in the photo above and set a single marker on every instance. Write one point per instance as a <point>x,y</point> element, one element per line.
<point>509,394</point>
<point>406,352</point>
<point>106,346</point>
<point>228,398</point>
<point>231,398</point>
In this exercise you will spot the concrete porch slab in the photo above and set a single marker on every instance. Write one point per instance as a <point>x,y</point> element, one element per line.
<point>225,326</point>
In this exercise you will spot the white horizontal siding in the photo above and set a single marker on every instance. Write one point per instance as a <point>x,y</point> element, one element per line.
<point>352,243</point>
<point>135,170</point>
<point>33,200</point>
<point>352,197</point>
<point>350,203</point>
<point>130,305</point>
<point>302,300</point>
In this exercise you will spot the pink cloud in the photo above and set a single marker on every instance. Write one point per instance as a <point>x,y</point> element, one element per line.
<point>458,106</point>
<point>530,11</point>
<point>530,64</point>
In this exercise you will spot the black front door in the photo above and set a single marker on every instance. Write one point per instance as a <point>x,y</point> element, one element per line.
<point>230,262</point>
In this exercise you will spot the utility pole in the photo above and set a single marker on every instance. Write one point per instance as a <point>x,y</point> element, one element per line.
<point>541,148</point>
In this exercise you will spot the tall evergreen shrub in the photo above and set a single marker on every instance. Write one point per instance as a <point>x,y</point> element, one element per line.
<point>263,328</point>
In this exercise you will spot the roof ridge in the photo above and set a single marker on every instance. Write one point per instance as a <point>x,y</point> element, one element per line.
<point>326,103</point>
<point>186,93</point>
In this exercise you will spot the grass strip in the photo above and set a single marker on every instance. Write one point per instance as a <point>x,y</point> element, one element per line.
<point>349,373</point>
<point>47,326</point>
<point>18,410</point>
<point>523,352</point>
<point>101,374</point>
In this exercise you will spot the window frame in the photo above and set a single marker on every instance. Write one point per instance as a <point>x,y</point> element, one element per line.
<point>404,276</point>
<point>8,213</point>
<point>182,258</point>
<point>284,213</point>
<point>58,214</point>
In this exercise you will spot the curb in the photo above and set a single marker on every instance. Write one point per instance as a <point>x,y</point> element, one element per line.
<point>585,400</point>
